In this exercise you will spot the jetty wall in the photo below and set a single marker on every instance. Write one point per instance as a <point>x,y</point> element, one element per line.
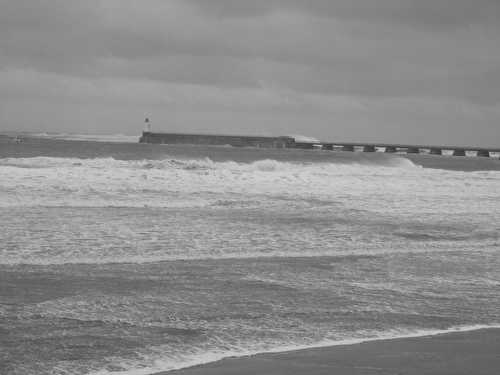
<point>217,140</point>
<point>289,142</point>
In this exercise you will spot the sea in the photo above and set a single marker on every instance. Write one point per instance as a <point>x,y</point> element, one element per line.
<point>130,259</point>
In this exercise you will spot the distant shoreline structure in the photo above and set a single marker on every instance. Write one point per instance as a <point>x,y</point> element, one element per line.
<point>217,140</point>
<point>290,142</point>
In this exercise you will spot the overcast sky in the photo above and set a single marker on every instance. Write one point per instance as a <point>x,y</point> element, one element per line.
<point>418,71</point>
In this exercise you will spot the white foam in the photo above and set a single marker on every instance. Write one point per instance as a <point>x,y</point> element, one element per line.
<point>353,192</point>
<point>304,138</point>
<point>45,181</point>
<point>196,359</point>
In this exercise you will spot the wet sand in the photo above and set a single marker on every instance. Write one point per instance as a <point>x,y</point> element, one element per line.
<point>461,353</point>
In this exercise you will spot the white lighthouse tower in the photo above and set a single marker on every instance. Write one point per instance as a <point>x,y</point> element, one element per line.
<point>146,133</point>
<point>147,125</point>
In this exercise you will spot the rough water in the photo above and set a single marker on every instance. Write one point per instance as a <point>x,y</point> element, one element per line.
<point>131,258</point>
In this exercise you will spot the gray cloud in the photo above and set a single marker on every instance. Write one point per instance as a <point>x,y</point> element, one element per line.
<point>315,52</point>
<point>439,14</point>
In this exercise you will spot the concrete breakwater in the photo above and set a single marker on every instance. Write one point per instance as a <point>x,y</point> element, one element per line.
<point>217,140</point>
<point>290,142</point>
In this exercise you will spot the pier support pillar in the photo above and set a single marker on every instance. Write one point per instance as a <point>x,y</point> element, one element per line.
<point>348,148</point>
<point>459,152</point>
<point>436,151</point>
<point>369,149</point>
<point>328,146</point>
<point>483,153</point>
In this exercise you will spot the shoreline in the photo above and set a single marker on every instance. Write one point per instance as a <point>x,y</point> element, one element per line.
<point>466,351</point>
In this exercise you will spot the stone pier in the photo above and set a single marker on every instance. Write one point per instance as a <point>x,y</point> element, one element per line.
<point>291,142</point>
<point>328,146</point>
<point>459,152</point>
<point>436,151</point>
<point>483,153</point>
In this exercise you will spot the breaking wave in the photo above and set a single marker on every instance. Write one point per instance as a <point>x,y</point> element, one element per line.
<point>332,208</point>
<point>49,181</point>
<point>174,182</point>
<point>204,163</point>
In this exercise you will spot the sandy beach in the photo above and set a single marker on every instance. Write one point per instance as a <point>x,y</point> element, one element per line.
<point>468,353</point>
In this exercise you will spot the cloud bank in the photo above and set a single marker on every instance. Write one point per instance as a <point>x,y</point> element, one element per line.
<point>388,70</point>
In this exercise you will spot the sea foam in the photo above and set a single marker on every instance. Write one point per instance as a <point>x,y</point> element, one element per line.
<point>204,357</point>
<point>170,182</point>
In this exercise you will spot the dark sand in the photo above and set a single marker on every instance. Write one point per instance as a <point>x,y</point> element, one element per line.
<point>461,353</point>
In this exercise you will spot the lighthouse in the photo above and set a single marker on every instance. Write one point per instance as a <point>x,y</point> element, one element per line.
<point>147,126</point>
<point>146,133</point>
